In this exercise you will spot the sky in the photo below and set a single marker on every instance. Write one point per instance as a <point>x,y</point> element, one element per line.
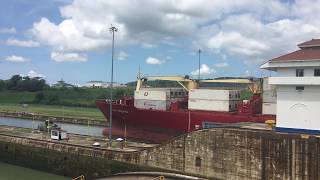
<point>70,39</point>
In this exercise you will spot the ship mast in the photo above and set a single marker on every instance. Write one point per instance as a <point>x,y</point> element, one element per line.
<point>139,82</point>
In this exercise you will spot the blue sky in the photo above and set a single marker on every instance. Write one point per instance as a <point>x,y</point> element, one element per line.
<point>69,39</point>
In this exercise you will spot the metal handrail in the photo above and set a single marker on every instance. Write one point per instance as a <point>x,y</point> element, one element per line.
<point>159,177</point>
<point>81,177</point>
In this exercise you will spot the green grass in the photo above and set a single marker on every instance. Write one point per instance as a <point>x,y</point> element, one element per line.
<point>16,97</point>
<point>68,103</point>
<point>55,111</point>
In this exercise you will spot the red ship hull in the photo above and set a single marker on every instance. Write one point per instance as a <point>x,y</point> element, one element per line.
<point>158,125</point>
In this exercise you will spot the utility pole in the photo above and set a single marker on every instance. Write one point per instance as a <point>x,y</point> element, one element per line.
<point>113,29</point>
<point>199,51</point>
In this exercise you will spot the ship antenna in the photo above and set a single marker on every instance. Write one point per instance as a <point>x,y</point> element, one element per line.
<point>199,51</point>
<point>139,73</point>
<point>139,81</point>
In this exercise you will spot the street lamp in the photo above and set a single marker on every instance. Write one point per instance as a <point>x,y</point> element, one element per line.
<point>199,51</point>
<point>113,29</point>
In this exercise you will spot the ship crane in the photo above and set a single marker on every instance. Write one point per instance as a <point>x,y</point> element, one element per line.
<point>253,86</point>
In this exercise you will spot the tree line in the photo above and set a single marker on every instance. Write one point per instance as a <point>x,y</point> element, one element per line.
<point>23,83</point>
<point>36,91</point>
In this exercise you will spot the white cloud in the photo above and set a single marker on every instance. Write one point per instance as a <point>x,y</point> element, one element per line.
<point>236,43</point>
<point>68,57</point>
<point>204,70</point>
<point>154,61</point>
<point>33,74</point>
<point>252,31</point>
<point>11,30</point>
<point>122,56</point>
<point>249,38</point>
<point>148,45</point>
<point>221,65</point>
<point>15,58</point>
<point>28,43</point>
<point>168,57</point>
<point>247,73</point>
<point>67,36</point>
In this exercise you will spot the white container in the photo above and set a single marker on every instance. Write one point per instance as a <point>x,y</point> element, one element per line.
<point>266,86</point>
<point>213,105</point>
<point>151,104</point>
<point>269,96</point>
<point>161,95</point>
<point>269,108</point>
<point>213,94</point>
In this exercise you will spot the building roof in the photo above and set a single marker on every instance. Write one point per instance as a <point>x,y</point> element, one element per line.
<point>300,55</point>
<point>311,43</point>
<point>310,51</point>
<point>96,82</point>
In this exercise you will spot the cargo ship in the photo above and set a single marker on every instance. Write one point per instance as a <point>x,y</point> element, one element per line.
<point>158,114</point>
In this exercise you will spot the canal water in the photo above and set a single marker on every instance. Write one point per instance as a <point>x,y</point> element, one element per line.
<point>12,172</point>
<point>70,128</point>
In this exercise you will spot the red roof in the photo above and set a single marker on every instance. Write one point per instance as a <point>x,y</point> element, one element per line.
<point>302,54</point>
<point>311,43</point>
<point>310,51</point>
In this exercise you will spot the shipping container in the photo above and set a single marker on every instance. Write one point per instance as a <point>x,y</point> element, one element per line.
<point>213,105</point>
<point>151,104</point>
<point>266,86</point>
<point>269,108</point>
<point>160,94</point>
<point>213,94</point>
<point>269,96</point>
<point>152,95</point>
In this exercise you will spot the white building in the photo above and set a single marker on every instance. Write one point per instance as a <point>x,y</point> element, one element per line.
<point>298,88</point>
<point>97,84</point>
<point>102,84</point>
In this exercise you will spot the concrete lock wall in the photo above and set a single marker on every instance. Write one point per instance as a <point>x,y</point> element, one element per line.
<point>215,153</point>
<point>68,160</point>
<point>240,154</point>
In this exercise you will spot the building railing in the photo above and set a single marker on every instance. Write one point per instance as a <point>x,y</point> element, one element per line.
<point>294,80</point>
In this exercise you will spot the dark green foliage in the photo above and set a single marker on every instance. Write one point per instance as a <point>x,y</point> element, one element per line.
<point>35,91</point>
<point>156,83</point>
<point>84,97</point>
<point>39,97</point>
<point>19,83</point>
<point>2,85</point>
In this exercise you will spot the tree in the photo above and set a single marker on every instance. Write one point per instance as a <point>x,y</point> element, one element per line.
<point>2,85</point>
<point>39,97</point>
<point>12,83</point>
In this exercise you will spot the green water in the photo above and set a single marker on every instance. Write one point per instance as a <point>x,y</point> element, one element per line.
<point>11,172</point>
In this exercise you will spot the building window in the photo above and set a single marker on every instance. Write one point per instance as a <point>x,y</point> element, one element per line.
<point>299,73</point>
<point>198,162</point>
<point>299,88</point>
<point>317,72</point>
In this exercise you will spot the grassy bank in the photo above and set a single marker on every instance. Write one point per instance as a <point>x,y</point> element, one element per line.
<point>55,111</point>
<point>77,103</point>
<point>76,97</point>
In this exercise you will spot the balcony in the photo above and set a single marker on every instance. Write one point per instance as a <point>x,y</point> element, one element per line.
<point>294,80</point>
